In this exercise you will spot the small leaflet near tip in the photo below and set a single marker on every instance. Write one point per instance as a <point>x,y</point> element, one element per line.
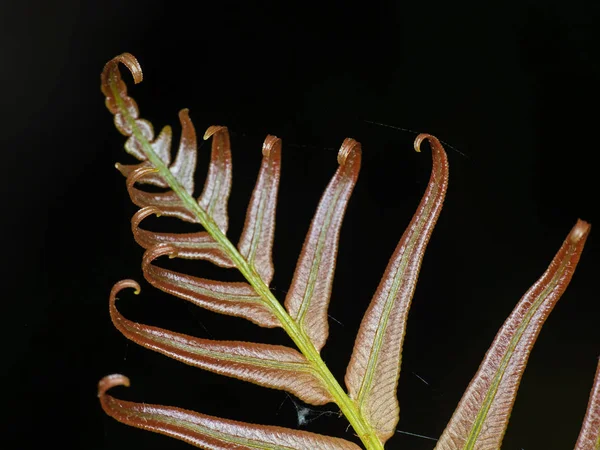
<point>217,186</point>
<point>196,245</point>
<point>256,241</point>
<point>168,203</point>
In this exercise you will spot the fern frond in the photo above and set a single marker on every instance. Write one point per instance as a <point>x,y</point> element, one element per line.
<point>371,404</point>
<point>253,257</point>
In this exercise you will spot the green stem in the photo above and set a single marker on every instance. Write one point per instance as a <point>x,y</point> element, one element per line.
<point>348,407</point>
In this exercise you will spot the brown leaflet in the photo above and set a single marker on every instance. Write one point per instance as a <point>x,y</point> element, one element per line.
<point>210,432</point>
<point>256,242</point>
<point>218,181</point>
<point>161,146</point>
<point>168,203</point>
<point>272,366</point>
<point>481,417</point>
<point>111,76</point>
<point>198,245</point>
<point>589,437</point>
<point>184,165</point>
<point>231,298</point>
<point>185,162</point>
<point>374,369</point>
<point>308,298</point>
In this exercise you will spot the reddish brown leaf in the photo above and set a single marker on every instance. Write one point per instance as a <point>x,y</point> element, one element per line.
<point>185,163</point>
<point>374,369</point>
<point>234,299</point>
<point>210,432</point>
<point>199,245</point>
<point>129,124</point>
<point>218,181</point>
<point>481,417</point>
<point>272,366</point>
<point>168,203</point>
<point>589,437</point>
<point>256,242</point>
<point>308,298</point>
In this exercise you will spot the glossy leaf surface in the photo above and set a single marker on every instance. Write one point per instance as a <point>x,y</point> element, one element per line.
<point>308,298</point>
<point>218,181</point>
<point>273,366</point>
<point>210,432</point>
<point>185,162</point>
<point>256,242</point>
<point>197,245</point>
<point>232,298</point>
<point>374,369</point>
<point>481,417</point>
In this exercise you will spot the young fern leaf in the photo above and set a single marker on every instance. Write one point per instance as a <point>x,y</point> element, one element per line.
<point>273,366</point>
<point>253,259</point>
<point>589,437</point>
<point>374,369</point>
<point>308,298</point>
<point>372,375</point>
<point>210,432</point>
<point>481,417</point>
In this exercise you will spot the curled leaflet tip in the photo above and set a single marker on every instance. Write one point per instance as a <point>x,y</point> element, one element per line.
<point>349,147</point>
<point>213,129</point>
<point>270,142</point>
<point>111,381</point>
<point>129,61</point>
<point>579,231</point>
<point>157,251</point>
<point>421,137</point>
<point>119,286</point>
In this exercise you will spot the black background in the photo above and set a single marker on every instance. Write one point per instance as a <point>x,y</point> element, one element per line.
<point>512,87</point>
